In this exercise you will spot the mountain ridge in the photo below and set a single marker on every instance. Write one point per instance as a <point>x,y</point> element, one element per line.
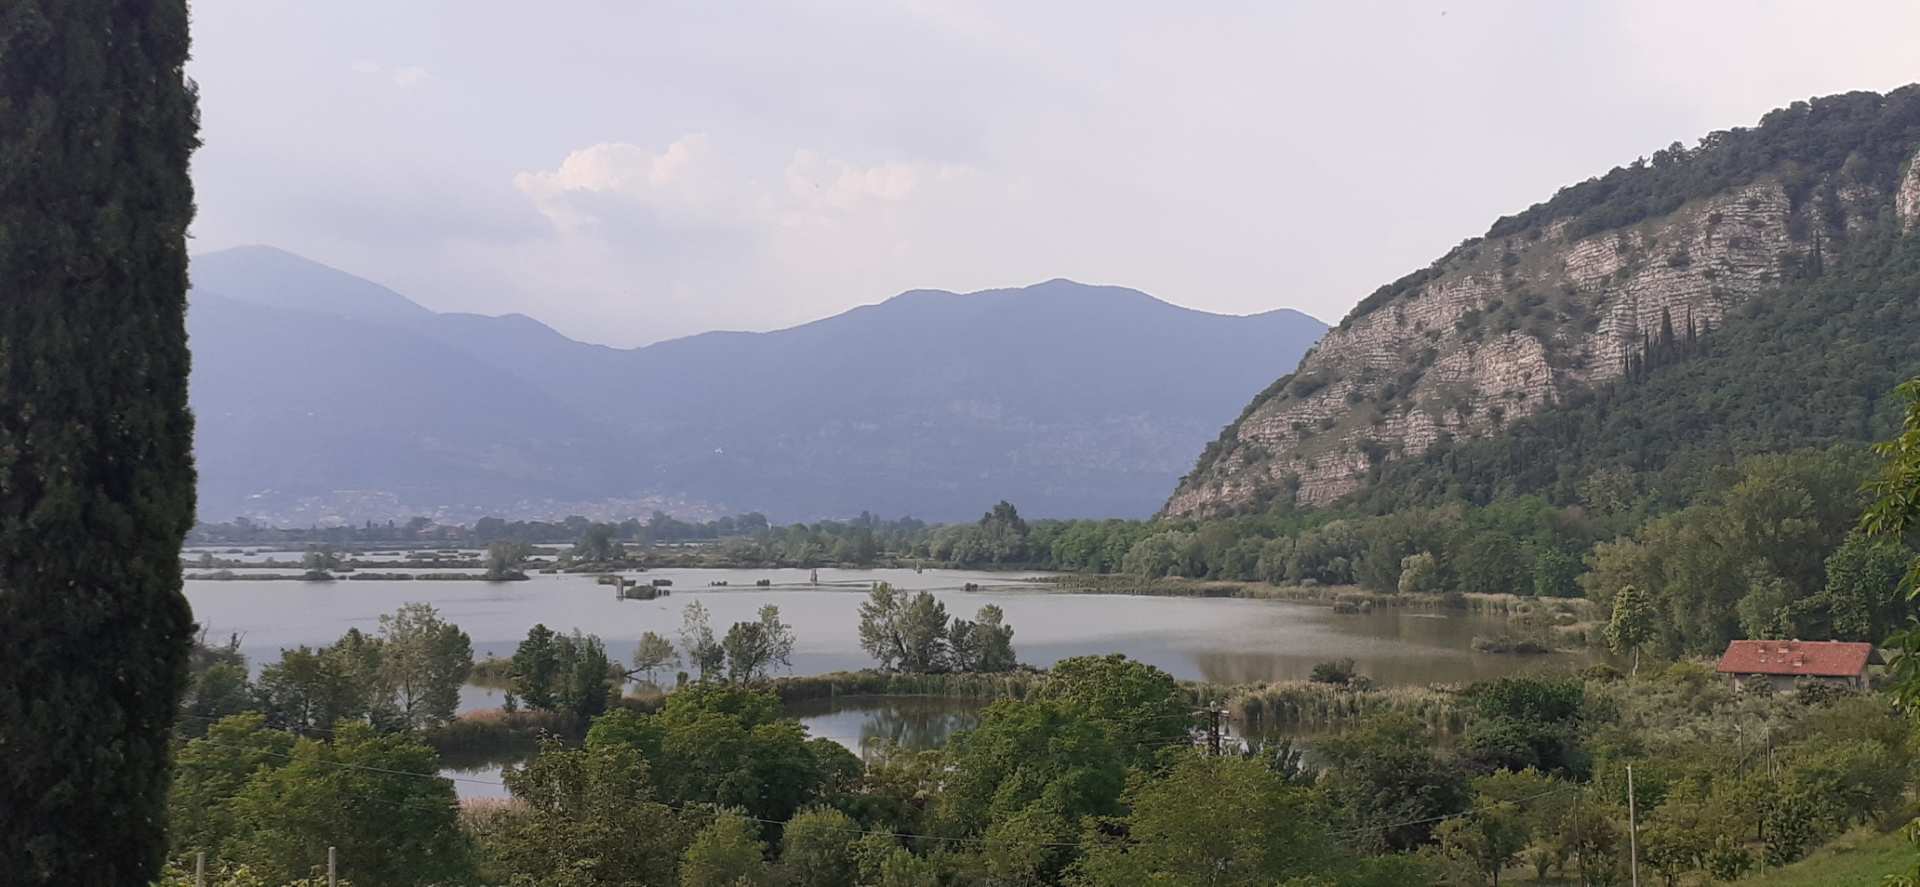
<point>1567,297</point>
<point>930,402</point>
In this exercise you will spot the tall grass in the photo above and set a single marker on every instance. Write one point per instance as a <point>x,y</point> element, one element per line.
<point>493,671</point>
<point>1357,598</point>
<point>491,735</point>
<point>1291,705</point>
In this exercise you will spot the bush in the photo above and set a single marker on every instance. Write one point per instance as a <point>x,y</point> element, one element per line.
<point>1337,671</point>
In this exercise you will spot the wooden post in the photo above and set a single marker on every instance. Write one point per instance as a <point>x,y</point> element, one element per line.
<point>333,879</point>
<point>200,868</point>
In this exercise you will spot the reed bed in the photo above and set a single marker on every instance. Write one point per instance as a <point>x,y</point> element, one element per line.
<point>479,737</point>
<point>1347,598</point>
<point>1293,705</point>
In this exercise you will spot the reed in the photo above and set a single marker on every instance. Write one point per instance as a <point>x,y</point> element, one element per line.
<point>480,737</point>
<point>1347,598</point>
<point>1293,705</point>
<point>493,671</point>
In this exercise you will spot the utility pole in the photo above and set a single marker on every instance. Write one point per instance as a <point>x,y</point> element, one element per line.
<point>333,879</point>
<point>200,868</point>
<point>1579,863</point>
<point>1633,831</point>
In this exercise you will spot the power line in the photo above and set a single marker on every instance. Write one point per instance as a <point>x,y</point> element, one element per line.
<point>1442,818</point>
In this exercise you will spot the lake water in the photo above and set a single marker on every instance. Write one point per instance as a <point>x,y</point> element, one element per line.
<point>1216,639</point>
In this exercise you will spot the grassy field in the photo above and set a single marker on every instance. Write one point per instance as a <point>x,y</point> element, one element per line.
<point>1858,859</point>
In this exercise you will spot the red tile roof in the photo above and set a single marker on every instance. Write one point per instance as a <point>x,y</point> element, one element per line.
<point>1831,659</point>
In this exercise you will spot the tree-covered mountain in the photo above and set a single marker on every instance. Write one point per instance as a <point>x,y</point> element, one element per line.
<point>321,395</point>
<point>1754,293</point>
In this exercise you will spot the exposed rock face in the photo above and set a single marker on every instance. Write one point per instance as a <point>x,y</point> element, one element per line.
<point>1505,327</point>
<point>1906,203</point>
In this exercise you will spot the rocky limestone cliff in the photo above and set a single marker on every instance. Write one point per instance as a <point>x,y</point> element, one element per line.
<point>1907,201</point>
<point>1505,326</point>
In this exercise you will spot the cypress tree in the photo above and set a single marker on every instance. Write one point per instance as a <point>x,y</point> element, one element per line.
<point>97,122</point>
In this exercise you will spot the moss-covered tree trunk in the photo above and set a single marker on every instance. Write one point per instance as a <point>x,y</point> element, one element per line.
<point>97,123</point>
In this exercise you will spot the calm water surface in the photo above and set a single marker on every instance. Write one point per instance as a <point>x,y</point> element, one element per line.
<point>1215,639</point>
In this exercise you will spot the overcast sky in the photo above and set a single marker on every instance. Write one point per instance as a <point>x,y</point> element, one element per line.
<point>632,171</point>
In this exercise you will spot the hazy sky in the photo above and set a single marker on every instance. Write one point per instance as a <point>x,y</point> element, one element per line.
<point>631,171</point>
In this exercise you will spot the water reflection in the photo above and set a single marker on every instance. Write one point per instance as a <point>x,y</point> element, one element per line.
<point>867,725</point>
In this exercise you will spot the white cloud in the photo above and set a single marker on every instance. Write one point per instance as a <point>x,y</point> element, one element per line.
<point>696,226</point>
<point>404,76</point>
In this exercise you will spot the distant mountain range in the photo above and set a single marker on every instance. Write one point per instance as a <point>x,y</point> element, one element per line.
<point>321,396</point>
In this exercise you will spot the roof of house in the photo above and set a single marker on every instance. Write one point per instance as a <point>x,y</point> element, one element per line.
<point>1809,658</point>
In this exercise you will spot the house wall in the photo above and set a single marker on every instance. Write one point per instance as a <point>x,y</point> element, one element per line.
<point>1779,683</point>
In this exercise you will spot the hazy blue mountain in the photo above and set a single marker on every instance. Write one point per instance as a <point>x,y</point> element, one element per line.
<point>1065,398</point>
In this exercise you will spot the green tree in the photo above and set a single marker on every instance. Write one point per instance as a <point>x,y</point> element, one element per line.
<point>96,465</point>
<point>988,642</point>
<point>1895,515</point>
<point>586,817</point>
<point>535,672</point>
<point>1045,755</point>
<point>1493,562</point>
<point>779,636</point>
<point>904,632</point>
<point>697,641</point>
<point>749,652</point>
<point>211,770</point>
<point>653,653</point>
<point>1556,574</point>
<point>1141,708</point>
<point>1419,574</point>
<point>597,545</point>
<point>310,691</point>
<point>585,676</point>
<point>504,560</point>
<point>1632,623</point>
<point>321,560</point>
<point>426,660</point>
<point>217,686</point>
<point>356,793</point>
<point>725,854</point>
<point>1491,839</point>
<point>1387,785</point>
<point>1681,834</point>
<point>725,745</point>
<point>1218,821</point>
<point>1862,597</point>
<point>1003,534</point>
<point>816,848</point>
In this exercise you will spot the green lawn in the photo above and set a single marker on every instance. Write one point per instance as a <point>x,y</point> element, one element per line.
<point>1857,859</point>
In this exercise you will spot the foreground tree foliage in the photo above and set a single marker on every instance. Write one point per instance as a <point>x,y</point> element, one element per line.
<point>727,746</point>
<point>1225,821</point>
<point>252,796</point>
<point>1093,778</point>
<point>587,817</point>
<point>97,121</point>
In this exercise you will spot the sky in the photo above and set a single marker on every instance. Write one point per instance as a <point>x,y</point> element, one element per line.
<point>634,171</point>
